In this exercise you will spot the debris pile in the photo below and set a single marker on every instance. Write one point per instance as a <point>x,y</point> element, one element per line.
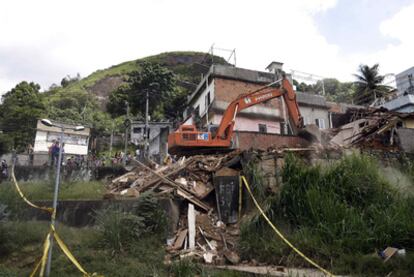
<point>201,233</point>
<point>203,236</point>
<point>377,129</point>
<point>189,178</point>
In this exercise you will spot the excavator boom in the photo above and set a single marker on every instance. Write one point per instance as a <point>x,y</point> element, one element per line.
<point>188,138</point>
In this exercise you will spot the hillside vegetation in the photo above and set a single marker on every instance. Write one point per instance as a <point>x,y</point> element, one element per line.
<point>84,100</point>
<point>187,66</point>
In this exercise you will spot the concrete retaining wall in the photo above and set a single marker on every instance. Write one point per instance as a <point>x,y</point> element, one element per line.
<point>80,213</point>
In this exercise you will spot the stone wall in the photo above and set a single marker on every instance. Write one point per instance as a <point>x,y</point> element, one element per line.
<point>47,173</point>
<point>80,213</point>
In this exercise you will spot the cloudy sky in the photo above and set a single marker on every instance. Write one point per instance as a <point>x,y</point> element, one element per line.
<point>45,40</point>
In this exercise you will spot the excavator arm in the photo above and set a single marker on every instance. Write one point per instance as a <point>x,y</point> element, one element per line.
<point>226,127</point>
<point>188,139</point>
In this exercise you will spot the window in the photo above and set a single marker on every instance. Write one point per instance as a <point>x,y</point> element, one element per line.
<point>208,100</point>
<point>283,130</point>
<point>320,122</point>
<point>262,128</point>
<point>137,130</point>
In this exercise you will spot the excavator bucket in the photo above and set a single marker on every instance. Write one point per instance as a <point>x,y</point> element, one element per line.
<point>311,133</point>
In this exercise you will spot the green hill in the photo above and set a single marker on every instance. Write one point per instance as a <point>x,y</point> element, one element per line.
<point>187,66</point>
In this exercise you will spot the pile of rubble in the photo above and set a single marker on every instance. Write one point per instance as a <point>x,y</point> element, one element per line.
<point>201,233</point>
<point>377,129</point>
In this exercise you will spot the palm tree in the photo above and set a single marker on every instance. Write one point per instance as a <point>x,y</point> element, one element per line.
<point>369,85</point>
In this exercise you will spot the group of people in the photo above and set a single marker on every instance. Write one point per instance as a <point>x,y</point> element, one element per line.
<point>119,157</point>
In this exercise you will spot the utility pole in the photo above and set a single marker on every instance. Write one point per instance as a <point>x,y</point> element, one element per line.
<point>47,122</point>
<point>55,198</point>
<point>111,139</point>
<point>127,124</point>
<point>146,126</point>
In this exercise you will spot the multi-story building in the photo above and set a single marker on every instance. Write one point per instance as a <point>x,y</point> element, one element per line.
<point>404,102</point>
<point>405,81</point>
<point>222,84</point>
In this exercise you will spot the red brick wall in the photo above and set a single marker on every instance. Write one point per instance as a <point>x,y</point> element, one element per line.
<point>228,90</point>
<point>247,140</point>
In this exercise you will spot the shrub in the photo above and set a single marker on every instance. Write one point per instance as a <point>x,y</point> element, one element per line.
<point>330,212</point>
<point>120,230</point>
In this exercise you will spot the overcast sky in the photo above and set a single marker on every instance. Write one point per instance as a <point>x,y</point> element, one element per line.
<point>44,40</point>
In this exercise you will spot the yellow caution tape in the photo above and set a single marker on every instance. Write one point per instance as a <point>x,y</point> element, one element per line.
<point>46,245</point>
<point>240,197</point>
<point>50,210</point>
<point>68,254</point>
<point>36,268</point>
<point>280,234</point>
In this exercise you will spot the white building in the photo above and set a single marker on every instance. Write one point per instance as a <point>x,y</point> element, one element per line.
<point>405,81</point>
<point>76,142</point>
<point>404,102</point>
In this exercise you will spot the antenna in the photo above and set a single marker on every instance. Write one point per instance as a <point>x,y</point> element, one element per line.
<point>230,52</point>
<point>305,76</point>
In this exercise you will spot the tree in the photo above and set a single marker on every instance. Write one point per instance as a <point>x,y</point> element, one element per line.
<point>166,101</point>
<point>6,143</point>
<point>77,107</point>
<point>368,84</point>
<point>21,108</point>
<point>157,81</point>
<point>303,87</point>
<point>337,91</point>
<point>67,80</point>
<point>334,90</point>
<point>116,104</point>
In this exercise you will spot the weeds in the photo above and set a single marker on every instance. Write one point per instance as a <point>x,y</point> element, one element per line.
<point>119,230</point>
<point>332,213</point>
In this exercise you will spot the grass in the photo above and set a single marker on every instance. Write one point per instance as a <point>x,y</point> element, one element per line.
<point>146,258</point>
<point>20,248</point>
<point>36,191</point>
<point>339,215</point>
<point>43,190</point>
<point>122,243</point>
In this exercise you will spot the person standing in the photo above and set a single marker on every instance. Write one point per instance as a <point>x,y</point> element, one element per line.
<point>55,153</point>
<point>4,174</point>
<point>30,151</point>
<point>51,152</point>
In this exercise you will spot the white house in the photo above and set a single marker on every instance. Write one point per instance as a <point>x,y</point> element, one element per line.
<point>76,142</point>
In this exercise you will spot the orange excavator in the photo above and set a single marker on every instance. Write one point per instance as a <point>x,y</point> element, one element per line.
<point>188,139</point>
